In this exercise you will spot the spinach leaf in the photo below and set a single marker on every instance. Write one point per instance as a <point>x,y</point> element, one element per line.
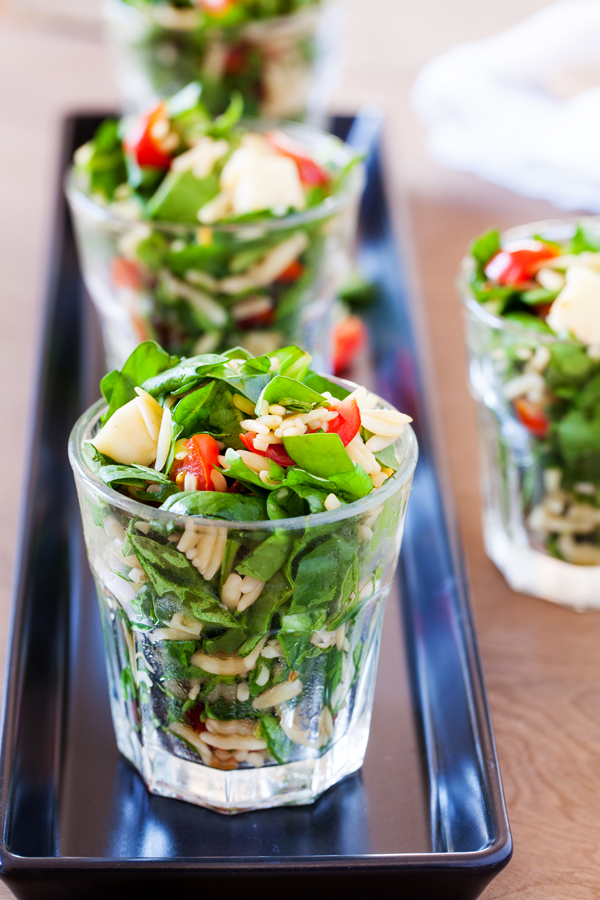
<point>146,361</point>
<point>212,504</point>
<point>321,574</point>
<point>584,240</point>
<point>138,477</point>
<point>293,362</point>
<point>180,195</point>
<point>289,392</point>
<point>105,165</point>
<point>529,321</point>
<point>569,365</point>
<point>243,473</point>
<point>387,458</point>
<point>579,442</point>
<point>483,248</point>
<point>228,642</point>
<point>288,504</point>
<point>279,745</point>
<point>181,378</point>
<point>320,454</point>
<point>257,618</point>
<point>320,384</point>
<point>268,557</point>
<point>168,570</point>
<point>210,409</point>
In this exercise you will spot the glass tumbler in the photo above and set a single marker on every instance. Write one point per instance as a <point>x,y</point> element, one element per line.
<point>540,481</point>
<point>284,67</point>
<point>274,707</point>
<point>156,280</point>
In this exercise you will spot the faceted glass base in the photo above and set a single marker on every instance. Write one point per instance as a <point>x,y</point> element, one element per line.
<point>293,784</point>
<point>533,572</point>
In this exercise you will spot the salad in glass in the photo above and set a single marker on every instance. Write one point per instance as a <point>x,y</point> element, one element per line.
<point>205,234</point>
<point>532,301</point>
<point>281,55</point>
<point>243,518</point>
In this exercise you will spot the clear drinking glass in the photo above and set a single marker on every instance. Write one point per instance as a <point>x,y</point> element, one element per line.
<point>186,310</point>
<point>284,67</point>
<point>540,499</point>
<point>286,714</point>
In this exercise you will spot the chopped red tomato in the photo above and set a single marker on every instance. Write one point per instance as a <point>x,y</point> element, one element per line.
<point>532,417</point>
<point>349,338</point>
<point>194,717</point>
<point>140,143</point>
<point>236,61</point>
<point>276,452</point>
<point>125,273</point>
<point>519,261</point>
<point>311,172</point>
<point>542,310</point>
<point>294,271</point>
<point>257,321</point>
<point>203,456</point>
<point>347,422</point>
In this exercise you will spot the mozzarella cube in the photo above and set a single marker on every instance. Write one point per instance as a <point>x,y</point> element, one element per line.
<point>126,438</point>
<point>577,307</point>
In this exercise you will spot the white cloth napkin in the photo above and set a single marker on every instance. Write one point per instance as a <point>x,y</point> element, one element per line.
<point>489,112</point>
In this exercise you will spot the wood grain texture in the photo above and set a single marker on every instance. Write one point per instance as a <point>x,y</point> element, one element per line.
<point>541,662</point>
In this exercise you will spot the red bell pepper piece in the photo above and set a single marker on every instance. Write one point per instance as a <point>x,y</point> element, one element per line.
<point>532,417</point>
<point>126,273</point>
<point>141,145</point>
<point>203,456</point>
<point>349,338</point>
<point>294,271</point>
<point>518,262</point>
<point>347,422</point>
<point>276,452</point>
<point>310,172</point>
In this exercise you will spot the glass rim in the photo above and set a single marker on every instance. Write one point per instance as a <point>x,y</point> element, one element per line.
<point>493,319</point>
<point>313,520</point>
<point>80,202</point>
<point>114,8</point>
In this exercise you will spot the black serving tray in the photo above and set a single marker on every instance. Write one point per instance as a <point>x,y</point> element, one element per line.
<point>425,817</point>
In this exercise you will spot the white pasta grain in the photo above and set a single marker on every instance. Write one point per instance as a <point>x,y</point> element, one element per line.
<point>205,548</point>
<point>332,502</point>
<point>243,691</point>
<point>262,677</point>
<point>217,554</point>
<point>164,441</point>
<point>254,461</point>
<point>251,596</point>
<point>232,591</point>
<point>219,481</point>
<point>190,482</point>
<point>243,404</point>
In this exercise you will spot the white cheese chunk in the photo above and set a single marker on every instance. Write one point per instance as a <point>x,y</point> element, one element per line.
<point>257,180</point>
<point>126,438</point>
<point>577,307</point>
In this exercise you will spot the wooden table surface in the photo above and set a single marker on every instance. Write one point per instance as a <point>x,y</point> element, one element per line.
<point>540,661</point>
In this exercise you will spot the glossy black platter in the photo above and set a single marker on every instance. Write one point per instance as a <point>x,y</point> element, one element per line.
<point>425,817</point>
